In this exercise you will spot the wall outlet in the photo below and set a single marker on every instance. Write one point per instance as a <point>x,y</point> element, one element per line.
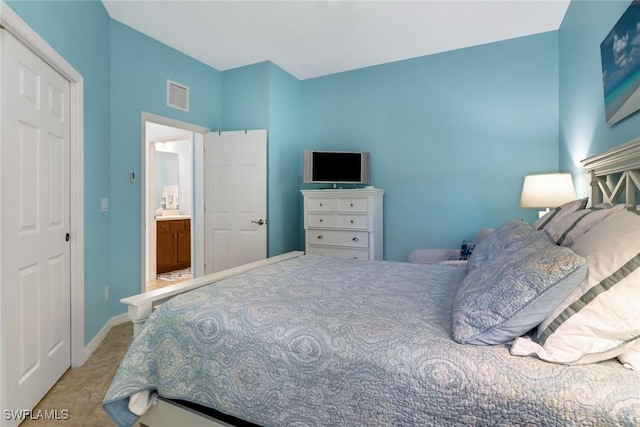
<point>106,294</point>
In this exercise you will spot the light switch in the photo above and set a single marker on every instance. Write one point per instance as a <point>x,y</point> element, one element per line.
<point>104,204</point>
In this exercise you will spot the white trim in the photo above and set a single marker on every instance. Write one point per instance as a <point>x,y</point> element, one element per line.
<point>102,334</point>
<point>196,217</point>
<point>77,223</point>
<point>18,28</point>
<point>173,123</point>
<point>621,158</point>
<point>197,221</point>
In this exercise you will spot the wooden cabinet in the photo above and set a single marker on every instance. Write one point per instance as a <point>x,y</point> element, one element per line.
<point>173,245</point>
<point>345,223</point>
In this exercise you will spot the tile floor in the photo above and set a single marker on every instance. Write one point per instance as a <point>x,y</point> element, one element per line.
<point>167,279</point>
<point>81,390</point>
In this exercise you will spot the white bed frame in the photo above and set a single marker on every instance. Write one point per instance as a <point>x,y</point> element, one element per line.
<point>612,173</point>
<point>140,307</point>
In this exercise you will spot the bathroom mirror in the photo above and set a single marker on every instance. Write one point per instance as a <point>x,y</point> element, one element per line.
<point>167,180</point>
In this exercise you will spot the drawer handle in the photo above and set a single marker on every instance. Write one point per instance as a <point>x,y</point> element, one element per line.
<point>355,239</point>
<point>321,204</point>
<point>351,204</point>
<point>320,219</point>
<point>320,237</point>
<point>351,221</point>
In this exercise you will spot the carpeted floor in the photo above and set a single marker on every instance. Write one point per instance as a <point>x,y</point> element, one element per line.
<point>80,390</point>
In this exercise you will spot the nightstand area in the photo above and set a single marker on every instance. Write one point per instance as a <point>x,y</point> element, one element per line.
<point>344,222</point>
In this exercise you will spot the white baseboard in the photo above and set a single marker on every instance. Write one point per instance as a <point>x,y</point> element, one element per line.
<point>100,336</point>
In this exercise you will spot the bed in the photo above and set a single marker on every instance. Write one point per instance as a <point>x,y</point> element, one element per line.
<point>301,340</point>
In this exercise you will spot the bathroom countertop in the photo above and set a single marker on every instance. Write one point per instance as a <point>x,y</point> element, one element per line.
<point>170,217</point>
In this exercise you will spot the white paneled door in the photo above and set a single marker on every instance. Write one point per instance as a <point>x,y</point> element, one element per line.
<point>35,249</point>
<point>235,199</point>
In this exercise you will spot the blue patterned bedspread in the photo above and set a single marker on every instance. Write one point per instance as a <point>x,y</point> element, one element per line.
<point>320,341</point>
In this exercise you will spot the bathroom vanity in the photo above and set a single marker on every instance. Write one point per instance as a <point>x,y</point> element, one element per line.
<point>173,243</point>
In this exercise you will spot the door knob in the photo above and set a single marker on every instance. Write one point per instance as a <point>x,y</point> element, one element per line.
<point>259,222</point>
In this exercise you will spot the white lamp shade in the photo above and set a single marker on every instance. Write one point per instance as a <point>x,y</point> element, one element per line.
<point>547,190</point>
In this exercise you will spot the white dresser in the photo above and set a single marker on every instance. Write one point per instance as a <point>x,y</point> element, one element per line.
<point>345,223</point>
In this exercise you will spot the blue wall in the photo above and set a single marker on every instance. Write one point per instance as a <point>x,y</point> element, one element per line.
<point>140,67</point>
<point>583,129</point>
<point>245,97</point>
<point>263,96</point>
<point>285,158</point>
<point>451,136</point>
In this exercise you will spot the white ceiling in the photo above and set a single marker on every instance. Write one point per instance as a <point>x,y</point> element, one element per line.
<point>315,38</point>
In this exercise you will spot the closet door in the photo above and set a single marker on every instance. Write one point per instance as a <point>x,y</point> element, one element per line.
<point>35,249</point>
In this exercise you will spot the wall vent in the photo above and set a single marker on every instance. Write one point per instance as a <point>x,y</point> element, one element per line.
<point>177,95</point>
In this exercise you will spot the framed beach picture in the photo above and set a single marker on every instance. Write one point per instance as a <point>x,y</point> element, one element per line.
<point>620,56</point>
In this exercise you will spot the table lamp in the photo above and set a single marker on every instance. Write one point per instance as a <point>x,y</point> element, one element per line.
<point>548,190</point>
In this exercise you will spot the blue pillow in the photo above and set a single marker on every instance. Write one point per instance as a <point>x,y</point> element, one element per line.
<point>509,295</point>
<point>510,236</point>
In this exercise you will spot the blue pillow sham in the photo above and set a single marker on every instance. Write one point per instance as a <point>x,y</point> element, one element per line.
<point>510,236</point>
<point>515,289</point>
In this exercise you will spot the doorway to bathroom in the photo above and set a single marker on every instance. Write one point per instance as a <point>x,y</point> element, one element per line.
<point>180,238</point>
<point>170,251</point>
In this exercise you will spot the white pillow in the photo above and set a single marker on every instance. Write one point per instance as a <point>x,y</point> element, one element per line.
<point>631,357</point>
<point>560,212</point>
<point>567,229</point>
<point>600,319</point>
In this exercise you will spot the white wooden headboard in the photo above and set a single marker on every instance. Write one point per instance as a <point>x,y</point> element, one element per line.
<point>614,173</point>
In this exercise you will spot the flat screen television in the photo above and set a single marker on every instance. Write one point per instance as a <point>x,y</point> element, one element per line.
<point>336,167</point>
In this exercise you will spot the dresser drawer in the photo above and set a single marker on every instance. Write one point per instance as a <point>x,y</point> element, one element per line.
<point>354,253</point>
<point>339,238</point>
<point>352,221</point>
<point>321,220</point>
<point>344,222</point>
<point>355,204</point>
<point>320,204</point>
